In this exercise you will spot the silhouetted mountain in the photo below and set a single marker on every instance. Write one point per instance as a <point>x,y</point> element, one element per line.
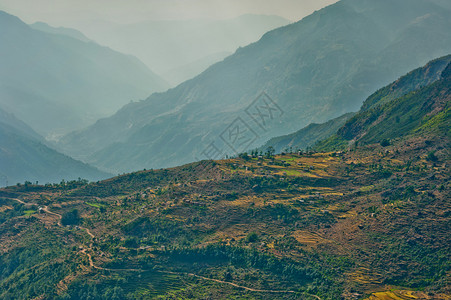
<point>57,83</point>
<point>25,157</point>
<point>314,70</point>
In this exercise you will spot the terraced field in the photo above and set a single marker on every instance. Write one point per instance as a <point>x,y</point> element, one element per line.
<point>321,225</point>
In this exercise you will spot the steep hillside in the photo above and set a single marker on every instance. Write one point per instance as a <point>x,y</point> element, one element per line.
<point>314,70</point>
<point>25,157</point>
<point>412,81</point>
<point>57,83</point>
<point>314,133</point>
<point>415,104</point>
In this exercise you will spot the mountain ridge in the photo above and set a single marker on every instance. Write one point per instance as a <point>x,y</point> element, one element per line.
<point>307,136</point>
<point>60,30</point>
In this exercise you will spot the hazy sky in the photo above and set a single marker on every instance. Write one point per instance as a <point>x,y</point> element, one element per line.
<point>72,12</point>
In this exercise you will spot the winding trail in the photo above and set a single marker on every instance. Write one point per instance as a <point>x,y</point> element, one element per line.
<point>20,201</point>
<point>60,217</point>
<point>239,286</point>
<point>88,232</point>
<point>92,265</point>
<point>234,284</point>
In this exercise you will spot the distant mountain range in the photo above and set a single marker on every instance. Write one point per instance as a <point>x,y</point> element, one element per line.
<point>56,81</point>
<point>312,71</point>
<point>24,156</point>
<point>168,46</point>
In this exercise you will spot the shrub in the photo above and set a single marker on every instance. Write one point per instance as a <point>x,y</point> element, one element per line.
<point>252,237</point>
<point>431,156</point>
<point>385,143</point>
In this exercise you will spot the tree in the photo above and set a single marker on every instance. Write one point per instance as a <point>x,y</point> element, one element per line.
<point>70,218</point>
<point>244,156</point>
<point>431,156</point>
<point>270,152</point>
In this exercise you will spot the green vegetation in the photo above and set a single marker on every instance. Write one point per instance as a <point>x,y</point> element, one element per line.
<point>29,212</point>
<point>252,237</point>
<point>308,136</point>
<point>322,224</point>
<point>97,205</point>
<point>385,143</point>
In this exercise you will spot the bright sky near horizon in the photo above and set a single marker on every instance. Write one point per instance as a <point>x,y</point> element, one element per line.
<point>70,13</point>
